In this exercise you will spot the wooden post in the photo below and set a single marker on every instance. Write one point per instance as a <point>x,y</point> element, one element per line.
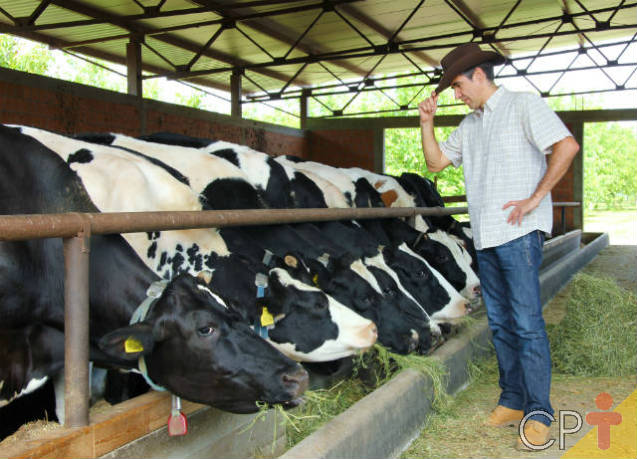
<point>235,93</point>
<point>303,109</point>
<point>379,150</point>
<point>134,66</point>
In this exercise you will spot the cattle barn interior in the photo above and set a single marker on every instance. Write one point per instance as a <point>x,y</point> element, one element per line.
<point>262,51</point>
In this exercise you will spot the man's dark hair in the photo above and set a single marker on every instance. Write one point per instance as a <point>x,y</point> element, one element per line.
<point>487,68</point>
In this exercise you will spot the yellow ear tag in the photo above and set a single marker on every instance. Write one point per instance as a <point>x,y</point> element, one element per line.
<point>132,345</point>
<point>315,279</point>
<point>266,317</point>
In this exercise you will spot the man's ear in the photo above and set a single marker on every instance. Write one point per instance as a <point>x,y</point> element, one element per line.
<point>128,343</point>
<point>478,75</point>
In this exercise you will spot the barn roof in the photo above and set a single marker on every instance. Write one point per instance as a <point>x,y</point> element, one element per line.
<point>281,47</point>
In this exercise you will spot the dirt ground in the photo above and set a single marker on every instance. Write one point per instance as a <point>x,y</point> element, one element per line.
<point>459,433</point>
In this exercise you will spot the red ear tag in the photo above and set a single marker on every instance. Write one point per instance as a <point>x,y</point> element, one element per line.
<point>177,422</point>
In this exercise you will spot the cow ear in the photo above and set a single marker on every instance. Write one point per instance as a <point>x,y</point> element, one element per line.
<point>128,343</point>
<point>205,276</point>
<point>291,261</point>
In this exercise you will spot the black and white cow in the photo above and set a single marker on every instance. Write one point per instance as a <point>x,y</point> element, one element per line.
<point>191,343</point>
<point>307,239</point>
<point>426,195</point>
<point>213,184</point>
<point>394,195</point>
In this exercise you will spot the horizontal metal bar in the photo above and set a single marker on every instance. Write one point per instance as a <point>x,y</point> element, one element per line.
<point>567,204</point>
<point>23,227</point>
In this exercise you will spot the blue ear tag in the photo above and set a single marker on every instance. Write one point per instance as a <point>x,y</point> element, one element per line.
<point>261,281</point>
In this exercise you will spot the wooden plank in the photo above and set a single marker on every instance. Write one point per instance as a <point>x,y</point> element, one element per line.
<point>109,429</point>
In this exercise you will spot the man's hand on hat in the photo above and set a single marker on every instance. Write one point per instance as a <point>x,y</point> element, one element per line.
<point>427,108</point>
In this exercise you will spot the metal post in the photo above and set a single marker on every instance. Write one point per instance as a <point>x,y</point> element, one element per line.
<point>76,330</point>
<point>235,93</point>
<point>134,67</point>
<point>563,220</point>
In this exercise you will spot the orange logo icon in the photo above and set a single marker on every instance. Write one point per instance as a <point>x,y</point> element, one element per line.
<point>603,419</point>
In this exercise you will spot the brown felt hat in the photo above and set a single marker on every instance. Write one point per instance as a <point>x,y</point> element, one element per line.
<point>463,58</point>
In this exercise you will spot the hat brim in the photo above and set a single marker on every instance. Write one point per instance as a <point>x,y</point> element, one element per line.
<point>466,63</point>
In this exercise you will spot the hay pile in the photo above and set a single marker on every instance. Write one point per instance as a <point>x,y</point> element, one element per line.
<point>371,370</point>
<point>597,335</point>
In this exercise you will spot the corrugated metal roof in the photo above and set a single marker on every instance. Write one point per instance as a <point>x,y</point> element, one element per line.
<point>290,44</point>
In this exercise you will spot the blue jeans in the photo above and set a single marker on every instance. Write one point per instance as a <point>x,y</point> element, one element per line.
<point>509,279</point>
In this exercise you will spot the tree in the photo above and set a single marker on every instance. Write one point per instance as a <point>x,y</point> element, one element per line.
<point>24,55</point>
<point>610,165</point>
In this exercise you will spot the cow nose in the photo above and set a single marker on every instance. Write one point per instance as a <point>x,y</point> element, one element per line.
<point>373,331</point>
<point>467,307</point>
<point>436,342</point>
<point>299,379</point>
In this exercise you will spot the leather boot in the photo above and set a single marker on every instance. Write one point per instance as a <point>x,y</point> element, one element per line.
<point>536,433</point>
<point>502,416</point>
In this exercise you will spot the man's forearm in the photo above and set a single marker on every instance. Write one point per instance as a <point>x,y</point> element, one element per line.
<point>563,153</point>
<point>434,157</point>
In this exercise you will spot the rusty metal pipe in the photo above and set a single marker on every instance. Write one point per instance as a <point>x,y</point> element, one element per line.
<point>76,330</point>
<point>22,227</point>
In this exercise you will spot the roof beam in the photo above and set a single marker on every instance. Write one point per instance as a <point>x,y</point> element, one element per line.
<point>121,60</point>
<point>477,23</point>
<point>381,30</point>
<point>567,10</point>
<point>119,21</point>
<point>275,30</point>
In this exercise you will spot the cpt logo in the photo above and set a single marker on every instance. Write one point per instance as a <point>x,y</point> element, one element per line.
<point>602,419</point>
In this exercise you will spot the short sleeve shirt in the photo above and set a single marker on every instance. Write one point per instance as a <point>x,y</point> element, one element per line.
<point>503,148</point>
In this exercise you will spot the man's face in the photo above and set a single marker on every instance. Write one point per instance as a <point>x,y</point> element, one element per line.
<point>467,90</point>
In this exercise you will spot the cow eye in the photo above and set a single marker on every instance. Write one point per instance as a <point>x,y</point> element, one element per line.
<point>422,273</point>
<point>388,292</point>
<point>205,331</point>
<point>443,258</point>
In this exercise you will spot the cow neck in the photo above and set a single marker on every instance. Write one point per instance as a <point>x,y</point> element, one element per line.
<point>153,293</point>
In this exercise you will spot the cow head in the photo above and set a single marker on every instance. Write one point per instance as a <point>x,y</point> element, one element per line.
<point>445,256</point>
<point>198,349</point>
<point>427,285</point>
<point>313,326</point>
<point>349,281</point>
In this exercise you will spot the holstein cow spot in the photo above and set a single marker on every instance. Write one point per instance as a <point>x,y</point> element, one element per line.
<point>80,156</point>
<point>389,197</point>
<point>152,250</point>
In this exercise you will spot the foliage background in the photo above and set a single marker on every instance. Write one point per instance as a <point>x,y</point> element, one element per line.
<point>610,149</point>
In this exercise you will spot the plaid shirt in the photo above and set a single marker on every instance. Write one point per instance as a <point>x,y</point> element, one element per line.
<point>503,148</point>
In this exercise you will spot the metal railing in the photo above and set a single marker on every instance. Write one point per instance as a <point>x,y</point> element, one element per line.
<point>77,228</point>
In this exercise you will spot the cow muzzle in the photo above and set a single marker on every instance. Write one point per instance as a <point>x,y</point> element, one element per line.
<point>369,335</point>
<point>297,382</point>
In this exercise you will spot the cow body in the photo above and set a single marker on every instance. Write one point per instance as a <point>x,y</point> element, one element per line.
<point>188,339</point>
<point>216,183</point>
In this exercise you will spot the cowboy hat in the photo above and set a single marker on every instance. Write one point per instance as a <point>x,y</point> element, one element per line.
<point>463,58</point>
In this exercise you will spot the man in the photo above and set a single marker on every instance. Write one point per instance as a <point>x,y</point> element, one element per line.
<point>502,145</point>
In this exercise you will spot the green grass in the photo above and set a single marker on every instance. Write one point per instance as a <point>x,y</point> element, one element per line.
<point>621,225</point>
